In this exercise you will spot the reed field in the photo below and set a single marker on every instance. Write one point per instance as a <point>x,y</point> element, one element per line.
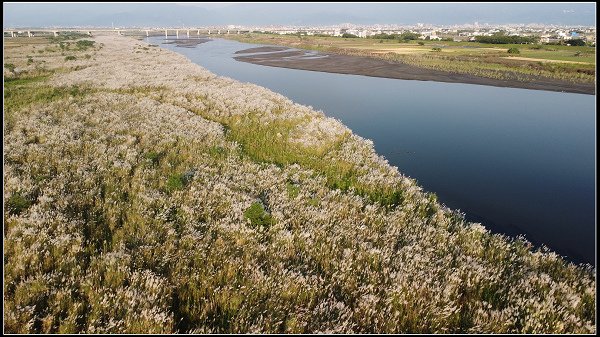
<point>144,194</point>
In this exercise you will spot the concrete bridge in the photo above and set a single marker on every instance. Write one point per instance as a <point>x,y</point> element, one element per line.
<point>176,32</point>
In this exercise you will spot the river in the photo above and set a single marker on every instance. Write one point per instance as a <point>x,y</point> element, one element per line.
<point>521,162</point>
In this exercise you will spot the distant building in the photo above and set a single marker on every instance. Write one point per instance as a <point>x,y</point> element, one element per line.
<point>429,35</point>
<point>544,38</point>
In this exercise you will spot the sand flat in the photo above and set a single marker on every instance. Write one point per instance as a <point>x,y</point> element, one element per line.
<point>367,66</point>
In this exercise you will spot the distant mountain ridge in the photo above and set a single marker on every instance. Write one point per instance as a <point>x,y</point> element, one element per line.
<point>167,14</point>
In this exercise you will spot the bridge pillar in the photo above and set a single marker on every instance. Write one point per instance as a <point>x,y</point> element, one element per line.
<point>228,31</point>
<point>12,34</point>
<point>198,32</point>
<point>188,33</point>
<point>55,33</point>
<point>177,32</point>
<point>28,34</point>
<point>219,32</point>
<point>166,36</point>
<point>238,32</point>
<point>209,32</point>
<point>146,33</point>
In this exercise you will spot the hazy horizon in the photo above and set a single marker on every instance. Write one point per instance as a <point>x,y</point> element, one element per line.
<point>205,14</point>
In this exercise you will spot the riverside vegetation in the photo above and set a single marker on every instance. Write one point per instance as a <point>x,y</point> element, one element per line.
<point>574,64</point>
<point>144,194</point>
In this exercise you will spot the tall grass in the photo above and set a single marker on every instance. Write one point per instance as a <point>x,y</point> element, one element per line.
<point>155,197</point>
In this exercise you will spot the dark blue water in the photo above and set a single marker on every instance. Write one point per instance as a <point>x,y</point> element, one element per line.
<point>518,161</point>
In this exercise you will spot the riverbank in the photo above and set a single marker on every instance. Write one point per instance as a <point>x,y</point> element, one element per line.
<point>367,66</point>
<point>145,194</point>
<point>446,61</point>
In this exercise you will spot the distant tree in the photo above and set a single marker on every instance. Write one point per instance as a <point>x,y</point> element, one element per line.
<point>421,43</point>
<point>501,38</point>
<point>576,42</point>
<point>348,35</point>
<point>514,51</point>
<point>384,36</point>
<point>409,36</point>
<point>403,36</point>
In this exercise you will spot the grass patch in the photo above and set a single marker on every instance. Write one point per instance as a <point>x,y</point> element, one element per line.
<point>153,157</point>
<point>11,67</point>
<point>261,143</point>
<point>271,143</point>
<point>179,180</point>
<point>17,203</point>
<point>84,44</point>
<point>292,190</point>
<point>26,90</point>
<point>259,218</point>
<point>66,36</point>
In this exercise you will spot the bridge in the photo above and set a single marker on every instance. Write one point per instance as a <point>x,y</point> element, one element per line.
<point>176,32</point>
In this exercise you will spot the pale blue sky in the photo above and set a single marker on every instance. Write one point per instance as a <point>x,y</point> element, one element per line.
<point>202,14</point>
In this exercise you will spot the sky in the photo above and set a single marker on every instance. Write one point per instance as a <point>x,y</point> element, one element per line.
<point>248,14</point>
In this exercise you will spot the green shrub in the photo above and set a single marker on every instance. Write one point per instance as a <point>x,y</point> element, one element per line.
<point>179,181</point>
<point>436,49</point>
<point>259,218</point>
<point>292,190</point>
<point>84,44</point>
<point>576,42</point>
<point>11,67</point>
<point>17,203</point>
<point>514,51</point>
<point>153,157</point>
<point>70,58</point>
<point>421,43</point>
<point>175,182</point>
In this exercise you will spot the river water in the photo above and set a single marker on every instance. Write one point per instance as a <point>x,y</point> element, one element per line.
<point>519,161</point>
